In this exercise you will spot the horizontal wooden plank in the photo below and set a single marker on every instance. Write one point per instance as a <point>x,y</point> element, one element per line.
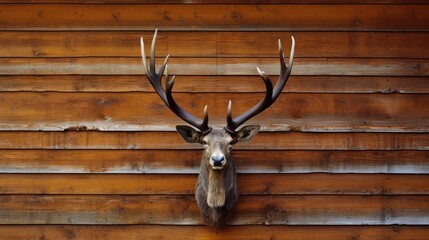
<point>182,210</point>
<point>222,84</point>
<point>188,161</point>
<point>214,44</point>
<point>105,44</point>
<point>146,112</point>
<point>227,1</point>
<point>273,184</point>
<point>101,66</point>
<point>327,66</point>
<point>215,66</point>
<point>172,140</point>
<point>324,44</point>
<point>134,232</point>
<point>265,17</point>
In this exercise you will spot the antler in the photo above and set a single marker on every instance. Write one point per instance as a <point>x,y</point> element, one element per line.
<point>155,80</point>
<point>271,94</point>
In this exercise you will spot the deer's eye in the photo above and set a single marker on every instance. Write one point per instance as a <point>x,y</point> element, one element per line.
<point>204,143</point>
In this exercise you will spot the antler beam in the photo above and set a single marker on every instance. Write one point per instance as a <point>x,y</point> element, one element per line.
<point>271,94</point>
<point>166,95</point>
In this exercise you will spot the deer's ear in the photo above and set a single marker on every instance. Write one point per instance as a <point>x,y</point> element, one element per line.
<point>189,134</point>
<point>246,133</point>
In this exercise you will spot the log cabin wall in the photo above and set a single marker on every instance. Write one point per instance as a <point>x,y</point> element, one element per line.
<point>88,151</point>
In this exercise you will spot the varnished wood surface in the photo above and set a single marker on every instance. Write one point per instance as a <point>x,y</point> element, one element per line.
<point>216,66</point>
<point>262,184</point>
<point>171,140</point>
<point>88,151</point>
<point>140,112</point>
<point>214,17</point>
<point>182,210</point>
<point>187,161</point>
<point>134,232</point>
<point>214,84</point>
<point>213,44</point>
<point>227,1</point>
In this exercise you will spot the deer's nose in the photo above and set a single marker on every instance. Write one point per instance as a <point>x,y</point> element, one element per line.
<point>217,160</point>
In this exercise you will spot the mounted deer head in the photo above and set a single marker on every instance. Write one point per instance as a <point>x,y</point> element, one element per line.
<point>216,192</point>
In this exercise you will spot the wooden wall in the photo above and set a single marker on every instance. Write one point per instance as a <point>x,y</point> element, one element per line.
<point>88,151</point>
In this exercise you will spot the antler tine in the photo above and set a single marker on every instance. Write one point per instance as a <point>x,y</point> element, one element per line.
<point>285,70</point>
<point>152,52</point>
<point>292,52</point>
<point>229,122</point>
<point>153,77</point>
<point>166,95</point>
<point>143,54</point>
<point>271,94</point>
<point>206,119</point>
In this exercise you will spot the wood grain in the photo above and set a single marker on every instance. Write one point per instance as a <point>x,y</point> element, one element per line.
<point>215,84</point>
<point>262,184</point>
<point>324,44</point>
<point>216,66</point>
<point>264,17</point>
<point>105,44</point>
<point>256,232</point>
<point>213,44</point>
<point>146,112</point>
<point>188,161</point>
<point>87,150</point>
<point>171,140</point>
<point>227,1</point>
<point>182,210</point>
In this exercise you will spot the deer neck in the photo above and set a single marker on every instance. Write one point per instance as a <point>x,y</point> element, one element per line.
<point>216,188</point>
<point>217,184</point>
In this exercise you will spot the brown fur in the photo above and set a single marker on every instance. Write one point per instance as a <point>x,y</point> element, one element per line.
<point>216,189</point>
<point>216,192</point>
<point>220,191</point>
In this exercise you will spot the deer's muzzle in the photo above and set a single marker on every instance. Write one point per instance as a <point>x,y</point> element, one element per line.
<point>217,161</point>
